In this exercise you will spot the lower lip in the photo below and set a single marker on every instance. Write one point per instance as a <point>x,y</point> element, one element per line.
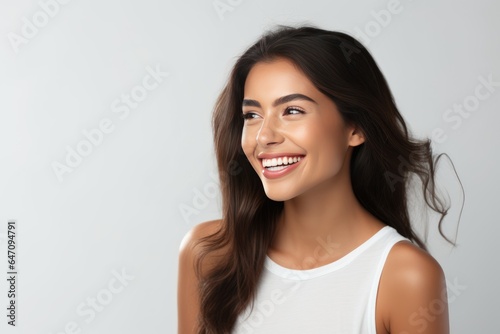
<point>268,174</point>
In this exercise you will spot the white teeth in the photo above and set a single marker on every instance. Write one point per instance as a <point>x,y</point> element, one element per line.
<point>279,161</point>
<point>275,168</point>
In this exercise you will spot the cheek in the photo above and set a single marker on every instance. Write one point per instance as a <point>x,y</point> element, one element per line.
<point>247,142</point>
<point>312,136</point>
<point>324,141</point>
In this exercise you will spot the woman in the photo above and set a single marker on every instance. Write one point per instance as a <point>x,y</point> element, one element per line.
<point>315,163</point>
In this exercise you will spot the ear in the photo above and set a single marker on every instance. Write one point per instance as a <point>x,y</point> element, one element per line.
<point>356,137</point>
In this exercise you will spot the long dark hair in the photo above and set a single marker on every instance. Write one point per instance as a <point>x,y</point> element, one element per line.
<point>381,168</point>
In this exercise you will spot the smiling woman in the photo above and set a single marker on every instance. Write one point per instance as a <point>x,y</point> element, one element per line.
<point>314,238</point>
<point>304,123</point>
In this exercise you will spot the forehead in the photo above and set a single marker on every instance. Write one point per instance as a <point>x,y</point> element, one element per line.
<point>277,78</point>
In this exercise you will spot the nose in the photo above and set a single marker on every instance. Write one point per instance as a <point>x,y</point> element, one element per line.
<point>269,133</point>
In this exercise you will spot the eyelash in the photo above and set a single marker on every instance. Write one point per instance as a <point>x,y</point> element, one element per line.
<point>247,115</point>
<point>295,108</point>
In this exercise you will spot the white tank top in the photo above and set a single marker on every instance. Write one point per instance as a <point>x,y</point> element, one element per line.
<point>337,298</point>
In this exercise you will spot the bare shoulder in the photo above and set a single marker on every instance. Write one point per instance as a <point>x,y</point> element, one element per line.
<point>197,232</point>
<point>189,249</point>
<point>188,303</point>
<point>413,265</point>
<point>414,291</point>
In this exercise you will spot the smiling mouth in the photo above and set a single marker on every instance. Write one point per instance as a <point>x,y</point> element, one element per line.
<point>276,164</point>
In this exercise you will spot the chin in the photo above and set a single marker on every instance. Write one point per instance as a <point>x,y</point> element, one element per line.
<point>278,197</point>
<point>279,194</point>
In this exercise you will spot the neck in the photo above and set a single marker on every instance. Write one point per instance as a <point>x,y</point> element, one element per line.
<point>328,214</point>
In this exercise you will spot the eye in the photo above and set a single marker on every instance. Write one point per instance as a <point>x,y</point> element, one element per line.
<point>294,111</point>
<point>248,115</point>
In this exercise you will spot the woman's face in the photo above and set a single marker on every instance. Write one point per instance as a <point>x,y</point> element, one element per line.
<point>293,135</point>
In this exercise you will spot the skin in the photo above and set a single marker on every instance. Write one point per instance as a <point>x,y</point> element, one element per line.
<point>319,203</point>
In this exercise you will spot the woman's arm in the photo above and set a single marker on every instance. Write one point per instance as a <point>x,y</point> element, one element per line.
<point>416,293</point>
<point>187,296</point>
<point>188,304</point>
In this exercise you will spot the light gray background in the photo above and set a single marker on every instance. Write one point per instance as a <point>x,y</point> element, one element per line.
<point>121,207</point>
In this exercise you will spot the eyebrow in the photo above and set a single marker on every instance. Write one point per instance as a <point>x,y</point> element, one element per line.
<point>278,101</point>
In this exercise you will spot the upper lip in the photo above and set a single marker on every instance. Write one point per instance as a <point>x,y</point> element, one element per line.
<point>278,155</point>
